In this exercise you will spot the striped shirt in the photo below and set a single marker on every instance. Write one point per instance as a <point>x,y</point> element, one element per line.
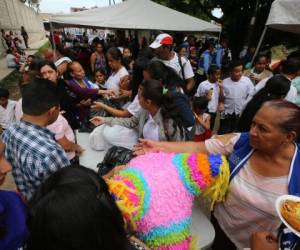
<point>34,155</point>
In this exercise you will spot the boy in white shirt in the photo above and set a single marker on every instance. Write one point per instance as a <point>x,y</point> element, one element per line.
<point>7,109</point>
<point>237,88</point>
<point>212,90</point>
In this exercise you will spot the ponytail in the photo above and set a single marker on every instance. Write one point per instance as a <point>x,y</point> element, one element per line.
<point>154,91</point>
<point>276,87</point>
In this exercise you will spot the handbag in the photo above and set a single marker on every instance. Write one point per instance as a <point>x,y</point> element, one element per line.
<point>115,156</point>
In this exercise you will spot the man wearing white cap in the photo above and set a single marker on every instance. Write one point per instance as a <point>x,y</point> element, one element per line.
<point>163,48</point>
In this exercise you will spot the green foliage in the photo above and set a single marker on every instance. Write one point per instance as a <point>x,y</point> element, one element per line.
<point>236,18</point>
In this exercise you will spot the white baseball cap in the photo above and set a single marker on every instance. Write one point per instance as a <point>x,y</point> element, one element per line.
<point>162,39</point>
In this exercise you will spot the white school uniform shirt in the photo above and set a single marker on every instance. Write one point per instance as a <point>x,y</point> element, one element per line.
<point>113,82</point>
<point>174,64</point>
<point>151,129</point>
<point>291,95</point>
<point>134,108</point>
<point>7,115</point>
<point>236,94</point>
<point>203,89</point>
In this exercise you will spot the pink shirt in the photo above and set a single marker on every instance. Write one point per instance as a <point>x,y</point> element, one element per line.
<point>59,128</point>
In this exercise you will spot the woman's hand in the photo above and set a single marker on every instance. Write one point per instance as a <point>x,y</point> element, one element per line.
<point>125,93</point>
<point>263,240</point>
<point>78,150</point>
<point>97,120</point>
<point>146,146</point>
<point>97,105</point>
<point>85,103</point>
<point>111,92</point>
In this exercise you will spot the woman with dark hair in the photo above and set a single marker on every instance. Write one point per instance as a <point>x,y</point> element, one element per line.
<point>68,100</point>
<point>73,210</point>
<point>264,164</point>
<point>276,88</point>
<point>137,77</point>
<point>175,85</point>
<point>158,121</point>
<point>119,78</point>
<point>120,135</point>
<point>97,59</point>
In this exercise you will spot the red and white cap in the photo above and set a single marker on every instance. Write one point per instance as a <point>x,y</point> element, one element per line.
<point>162,39</point>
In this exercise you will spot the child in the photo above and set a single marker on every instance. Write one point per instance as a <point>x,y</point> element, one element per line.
<point>7,109</point>
<point>202,125</point>
<point>237,88</point>
<point>100,78</point>
<point>212,90</point>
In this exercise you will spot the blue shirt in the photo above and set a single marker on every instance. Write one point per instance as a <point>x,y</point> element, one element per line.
<point>13,219</point>
<point>34,155</point>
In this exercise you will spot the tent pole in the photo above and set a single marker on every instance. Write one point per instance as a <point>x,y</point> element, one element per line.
<point>259,44</point>
<point>52,36</point>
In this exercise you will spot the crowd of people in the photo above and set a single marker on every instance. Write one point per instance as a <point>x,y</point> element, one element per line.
<point>15,44</point>
<point>160,100</point>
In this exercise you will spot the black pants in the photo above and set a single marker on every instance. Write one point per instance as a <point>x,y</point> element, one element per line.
<point>228,124</point>
<point>222,242</point>
<point>25,38</point>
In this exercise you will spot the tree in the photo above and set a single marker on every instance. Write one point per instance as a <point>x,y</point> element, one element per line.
<point>33,4</point>
<point>237,15</point>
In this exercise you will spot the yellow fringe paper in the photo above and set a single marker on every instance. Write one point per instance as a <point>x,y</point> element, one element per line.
<point>217,191</point>
<point>193,243</point>
<point>121,190</point>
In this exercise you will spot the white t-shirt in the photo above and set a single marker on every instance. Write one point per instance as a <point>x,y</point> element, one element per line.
<point>174,63</point>
<point>134,108</point>
<point>113,82</point>
<point>203,89</point>
<point>7,115</point>
<point>236,94</point>
<point>291,95</point>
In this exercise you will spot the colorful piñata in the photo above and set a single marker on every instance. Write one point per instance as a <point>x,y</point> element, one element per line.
<point>156,192</point>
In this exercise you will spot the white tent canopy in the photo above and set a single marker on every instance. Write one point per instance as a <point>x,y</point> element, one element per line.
<point>135,14</point>
<point>285,15</point>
